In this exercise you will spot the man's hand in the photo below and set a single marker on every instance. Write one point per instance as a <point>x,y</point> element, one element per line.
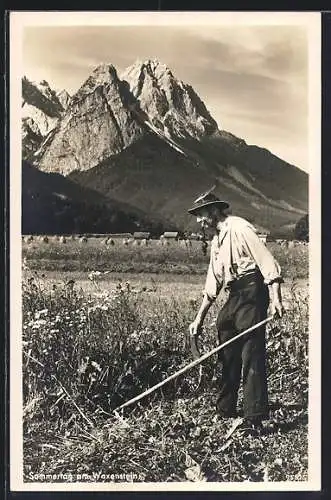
<point>195,327</point>
<point>277,308</point>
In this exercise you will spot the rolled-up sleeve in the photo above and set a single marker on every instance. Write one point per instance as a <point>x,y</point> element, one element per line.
<point>267,264</point>
<point>212,285</point>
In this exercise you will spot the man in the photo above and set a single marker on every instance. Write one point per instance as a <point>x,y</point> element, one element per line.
<point>242,265</point>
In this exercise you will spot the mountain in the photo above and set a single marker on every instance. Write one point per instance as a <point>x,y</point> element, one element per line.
<point>171,105</point>
<point>97,124</point>
<point>147,139</point>
<point>53,204</point>
<point>107,114</point>
<point>42,108</point>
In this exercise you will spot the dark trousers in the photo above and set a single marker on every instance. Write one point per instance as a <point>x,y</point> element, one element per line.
<point>247,305</point>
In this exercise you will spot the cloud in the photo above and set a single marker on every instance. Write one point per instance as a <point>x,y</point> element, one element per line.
<point>272,51</point>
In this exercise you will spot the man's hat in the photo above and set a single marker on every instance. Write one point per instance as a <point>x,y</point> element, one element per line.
<point>206,200</point>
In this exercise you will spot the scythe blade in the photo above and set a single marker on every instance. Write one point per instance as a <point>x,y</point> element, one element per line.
<point>194,347</point>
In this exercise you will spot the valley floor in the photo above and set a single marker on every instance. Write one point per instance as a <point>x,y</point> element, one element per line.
<point>165,284</point>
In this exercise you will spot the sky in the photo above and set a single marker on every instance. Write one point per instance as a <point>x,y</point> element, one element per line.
<point>252,79</point>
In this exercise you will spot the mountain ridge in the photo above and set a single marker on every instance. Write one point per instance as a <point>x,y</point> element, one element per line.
<point>42,108</point>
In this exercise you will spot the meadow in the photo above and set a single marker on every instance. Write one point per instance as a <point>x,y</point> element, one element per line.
<point>175,257</point>
<point>101,323</point>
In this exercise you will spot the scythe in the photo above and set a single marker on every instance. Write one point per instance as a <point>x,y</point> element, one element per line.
<point>196,362</point>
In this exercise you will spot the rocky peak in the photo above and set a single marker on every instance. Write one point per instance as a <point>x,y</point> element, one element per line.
<point>152,68</point>
<point>171,105</point>
<point>31,137</point>
<point>98,123</point>
<point>41,110</point>
<point>64,98</point>
<point>104,75</point>
<point>42,97</point>
<point>46,90</point>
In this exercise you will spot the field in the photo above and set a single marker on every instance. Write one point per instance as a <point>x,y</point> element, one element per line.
<point>175,257</point>
<point>101,323</point>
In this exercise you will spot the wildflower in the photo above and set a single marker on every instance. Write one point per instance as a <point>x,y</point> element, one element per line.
<point>36,326</point>
<point>96,366</point>
<point>134,335</point>
<point>40,313</point>
<point>278,461</point>
<point>94,275</point>
<point>102,295</point>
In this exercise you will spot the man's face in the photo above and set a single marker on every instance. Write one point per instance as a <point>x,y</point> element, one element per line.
<point>207,218</point>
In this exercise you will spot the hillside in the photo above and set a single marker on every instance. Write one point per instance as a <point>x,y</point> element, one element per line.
<point>53,204</point>
<point>156,178</point>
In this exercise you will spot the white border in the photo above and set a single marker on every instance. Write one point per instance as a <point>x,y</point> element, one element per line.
<point>25,19</point>
<point>315,240</point>
<point>20,20</point>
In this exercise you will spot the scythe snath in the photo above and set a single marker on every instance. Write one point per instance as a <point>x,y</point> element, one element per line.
<point>191,365</point>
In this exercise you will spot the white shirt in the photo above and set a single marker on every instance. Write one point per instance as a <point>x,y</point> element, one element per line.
<point>235,251</point>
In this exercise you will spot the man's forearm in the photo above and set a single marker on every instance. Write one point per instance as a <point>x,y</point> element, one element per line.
<point>276,291</point>
<point>204,308</point>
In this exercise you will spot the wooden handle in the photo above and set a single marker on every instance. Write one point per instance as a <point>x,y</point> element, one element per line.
<point>192,364</point>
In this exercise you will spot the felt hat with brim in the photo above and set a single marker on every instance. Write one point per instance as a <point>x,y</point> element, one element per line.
<point>205,201</point>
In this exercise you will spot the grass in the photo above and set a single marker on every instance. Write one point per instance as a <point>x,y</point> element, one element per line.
<point>88,350</point>
<point>174,258</point>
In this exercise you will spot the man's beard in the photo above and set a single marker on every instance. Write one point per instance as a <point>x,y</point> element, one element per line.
<point>208,226</point>
<point>207,231</point>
